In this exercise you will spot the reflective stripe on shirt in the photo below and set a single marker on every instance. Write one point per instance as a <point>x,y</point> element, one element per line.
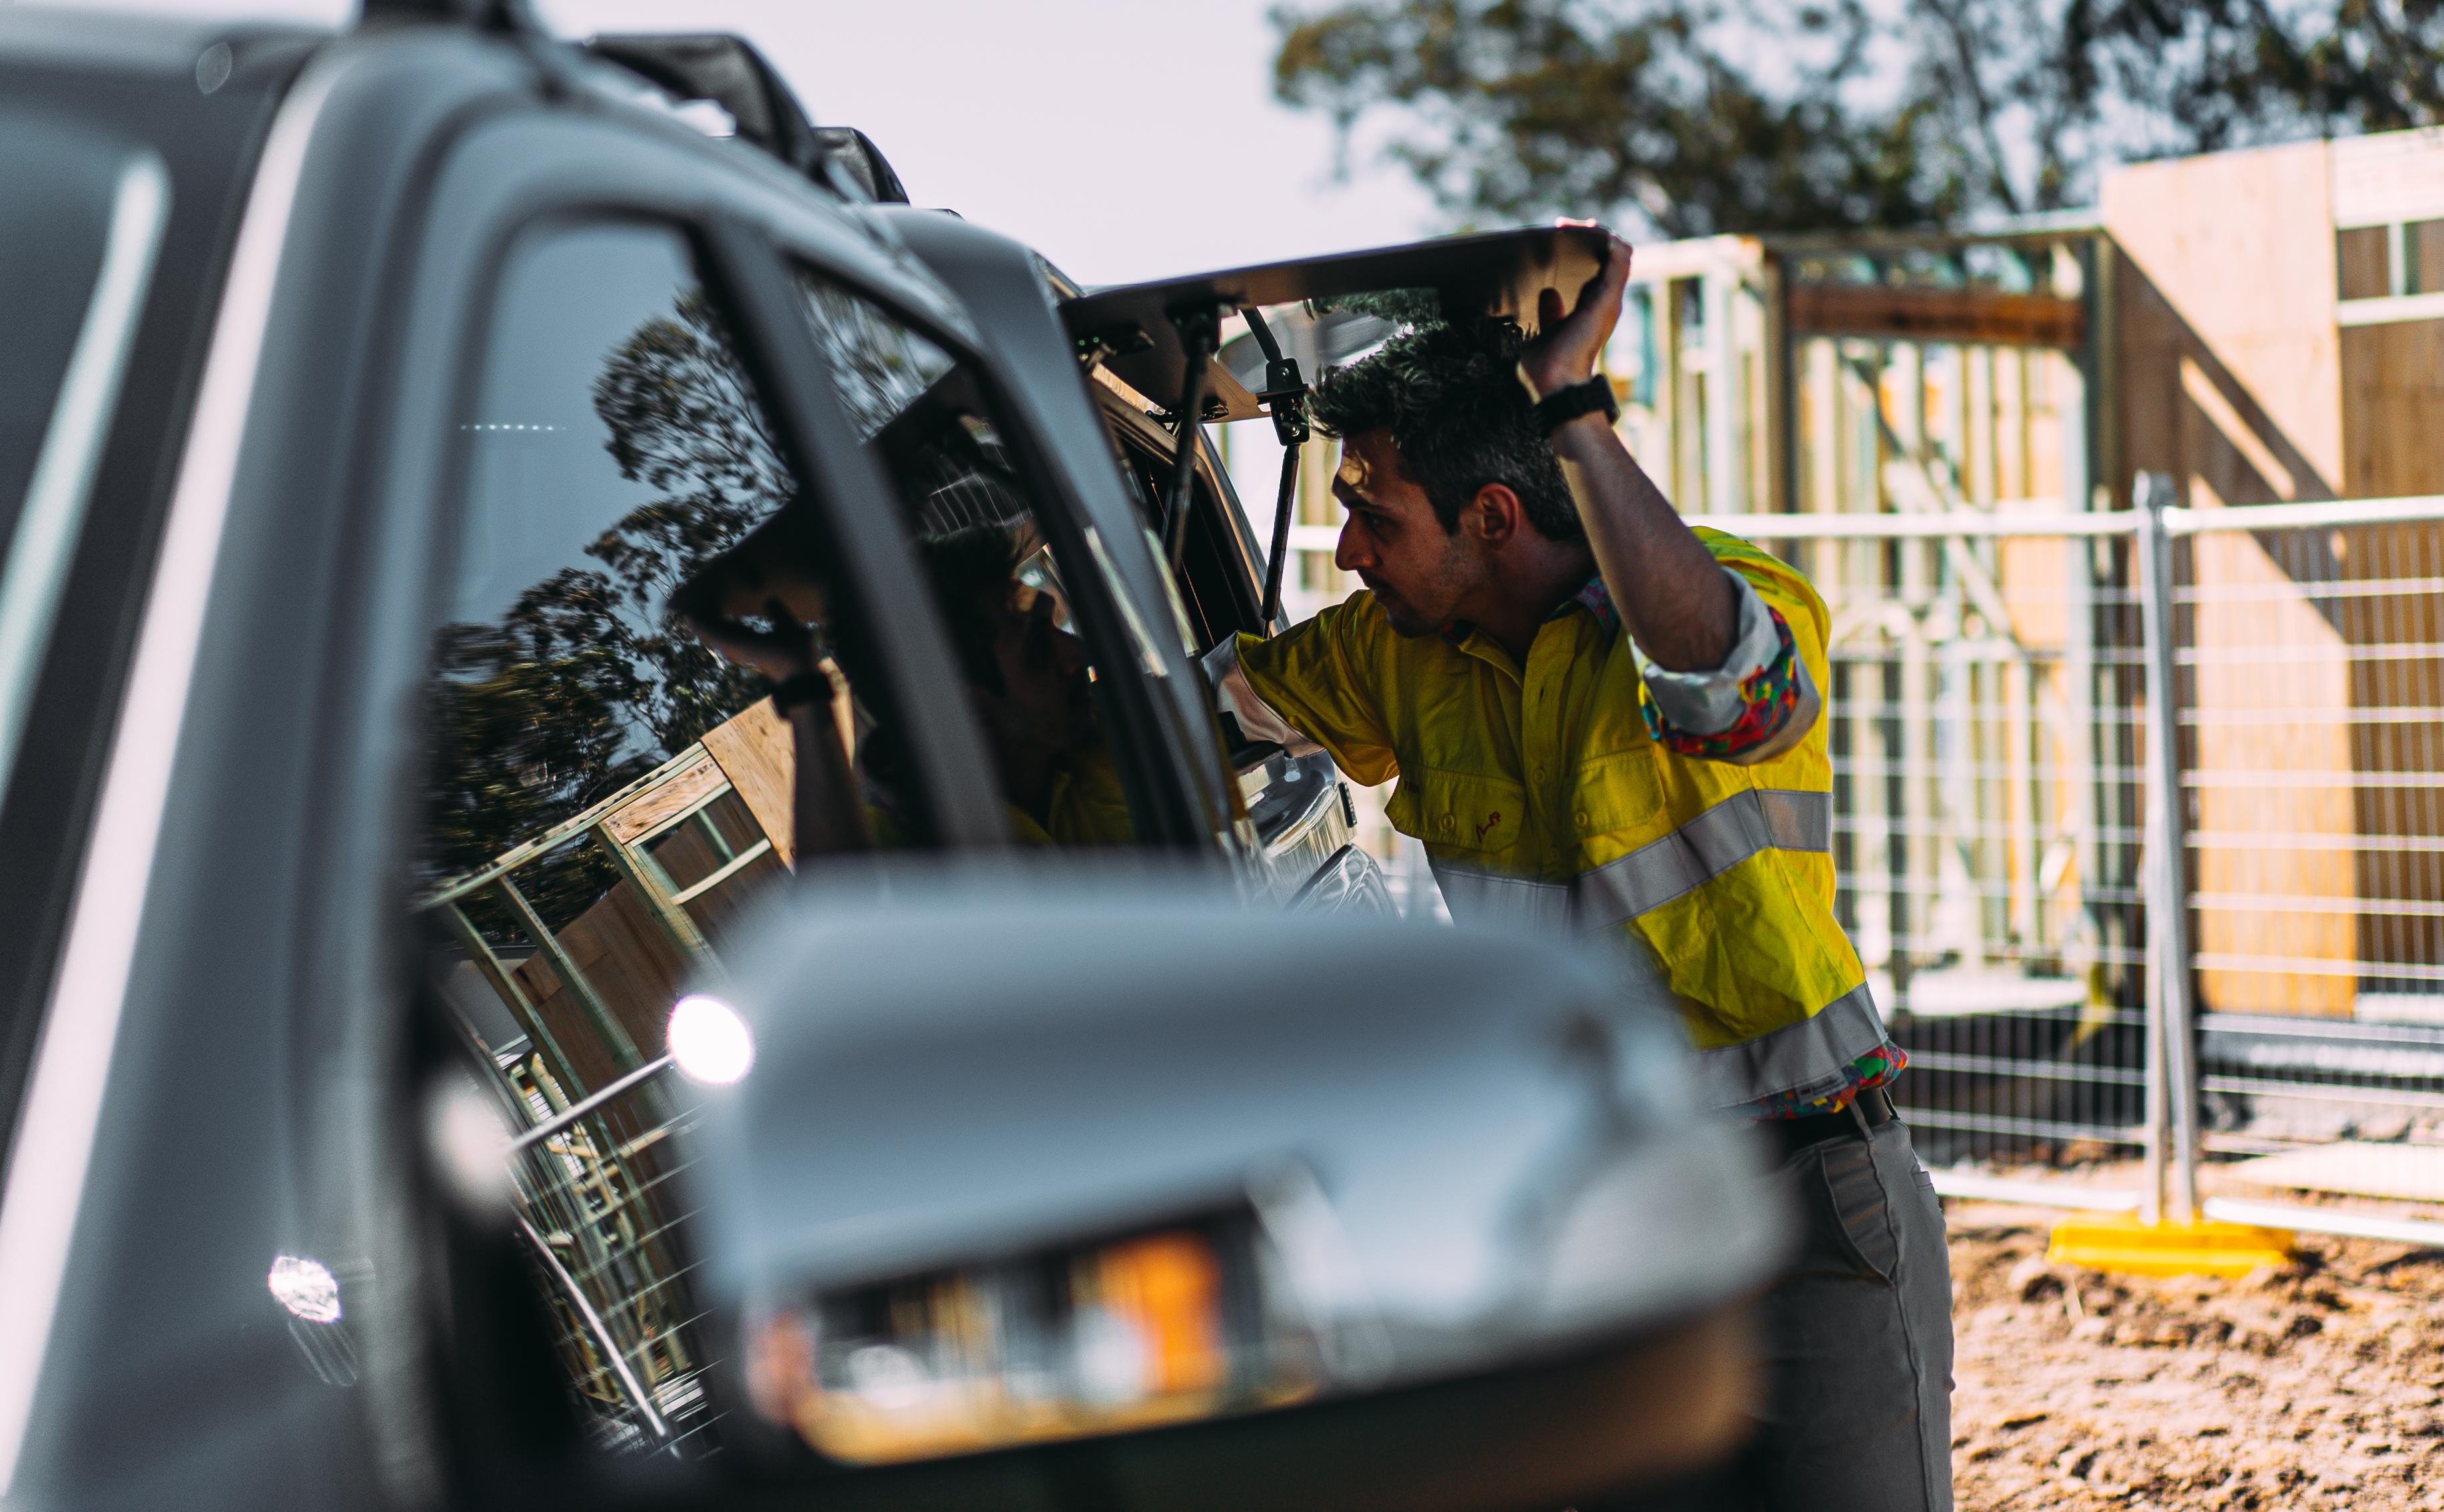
<point>1802,1062</point>
<point>1490,897</point>
<point>1808,1058</point>
<point>1756,820</point>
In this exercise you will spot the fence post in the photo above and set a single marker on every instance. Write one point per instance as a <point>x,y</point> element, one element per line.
<point>2172,1043</point>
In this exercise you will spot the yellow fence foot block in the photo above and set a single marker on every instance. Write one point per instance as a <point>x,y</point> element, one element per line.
<point>2124,1245</point>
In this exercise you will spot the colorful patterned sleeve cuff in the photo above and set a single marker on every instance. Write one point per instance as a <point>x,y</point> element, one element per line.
<point>1723,714</point>
<point>1876,1069</point>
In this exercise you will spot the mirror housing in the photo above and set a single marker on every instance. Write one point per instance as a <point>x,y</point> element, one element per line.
<point>1038,1175</point>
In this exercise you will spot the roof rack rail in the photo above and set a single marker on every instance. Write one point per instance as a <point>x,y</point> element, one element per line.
<point>730,72</point>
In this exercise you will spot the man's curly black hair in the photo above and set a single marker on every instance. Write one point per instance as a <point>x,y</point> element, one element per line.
<point>1451,397</point>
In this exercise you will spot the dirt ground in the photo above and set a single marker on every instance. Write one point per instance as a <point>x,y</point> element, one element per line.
<point>2321,1384</point>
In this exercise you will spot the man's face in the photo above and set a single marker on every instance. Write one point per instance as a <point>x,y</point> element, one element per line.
<point>1046,703</point>
<point>1417,571</point>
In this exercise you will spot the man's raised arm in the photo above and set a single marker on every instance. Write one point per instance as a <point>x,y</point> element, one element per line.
<point>1721,670</point>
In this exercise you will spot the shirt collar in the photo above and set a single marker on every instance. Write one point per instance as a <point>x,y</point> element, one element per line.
<point>1596,599</point>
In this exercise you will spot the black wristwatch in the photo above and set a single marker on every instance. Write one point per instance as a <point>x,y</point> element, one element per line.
<point>1563,405</point>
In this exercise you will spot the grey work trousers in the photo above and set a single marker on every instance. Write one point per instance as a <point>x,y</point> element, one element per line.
<point>1857,1339</point>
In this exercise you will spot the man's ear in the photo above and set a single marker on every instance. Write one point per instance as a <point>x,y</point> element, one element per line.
<point>1494,514</point>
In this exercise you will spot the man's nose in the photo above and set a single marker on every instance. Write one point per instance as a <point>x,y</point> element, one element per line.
<point>1352,552</point>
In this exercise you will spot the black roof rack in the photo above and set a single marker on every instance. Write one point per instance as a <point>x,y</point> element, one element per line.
<point>728,71</point>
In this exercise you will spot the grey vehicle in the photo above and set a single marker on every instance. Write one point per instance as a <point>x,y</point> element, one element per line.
<point>467,1039</point>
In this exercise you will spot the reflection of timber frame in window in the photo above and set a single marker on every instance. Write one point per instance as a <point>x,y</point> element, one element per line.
<point>606,980</point>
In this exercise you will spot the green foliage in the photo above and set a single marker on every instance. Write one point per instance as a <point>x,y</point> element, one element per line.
<point>588,682</point>
<point>1697,116</point>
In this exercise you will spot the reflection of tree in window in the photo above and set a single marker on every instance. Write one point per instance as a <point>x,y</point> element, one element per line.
<point>922,409</point>
<point>587,682</point>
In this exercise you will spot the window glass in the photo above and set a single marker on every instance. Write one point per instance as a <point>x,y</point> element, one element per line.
<point>973,521</point>
<point>610,785</point>
<point>2363,262</point>
<point>2422,245</point>
<point>594,745</point>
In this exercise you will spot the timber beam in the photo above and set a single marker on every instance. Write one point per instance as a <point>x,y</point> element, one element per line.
<point>1971,317</point>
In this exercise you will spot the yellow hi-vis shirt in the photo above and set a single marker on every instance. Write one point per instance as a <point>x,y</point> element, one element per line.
<point>1540,794</point>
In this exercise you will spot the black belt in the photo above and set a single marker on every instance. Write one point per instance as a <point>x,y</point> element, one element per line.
<point>1872,1109</point>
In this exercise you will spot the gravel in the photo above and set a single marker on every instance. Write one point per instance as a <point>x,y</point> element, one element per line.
<point>2318,1384</point>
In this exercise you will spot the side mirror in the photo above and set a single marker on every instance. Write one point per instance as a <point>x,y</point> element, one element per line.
<point>1037,1183</point>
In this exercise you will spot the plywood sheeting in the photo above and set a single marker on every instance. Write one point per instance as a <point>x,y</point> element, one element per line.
<point>2228,263</point>
<point>2388,609</point>
<point>755,752</point>
<point>2272,759</point>
<point>2393,175</point>
<point>630,962</point>
<point>2229,361</point>
<point>2392,409</point>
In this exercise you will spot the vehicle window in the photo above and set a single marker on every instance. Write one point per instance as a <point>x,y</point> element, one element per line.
<point>612,781</point>
<point>610,787</point>
<point>973,521</point>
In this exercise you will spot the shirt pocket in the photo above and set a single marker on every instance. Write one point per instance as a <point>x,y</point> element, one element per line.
<point>1464,810</point>
<point>1617,794</point>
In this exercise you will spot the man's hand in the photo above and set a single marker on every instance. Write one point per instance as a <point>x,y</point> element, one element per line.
<point>1569,345</point>
<point>1677,603</point>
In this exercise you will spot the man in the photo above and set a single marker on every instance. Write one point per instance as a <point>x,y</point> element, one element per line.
<point>1026,676</point>
<point>1598,714</point>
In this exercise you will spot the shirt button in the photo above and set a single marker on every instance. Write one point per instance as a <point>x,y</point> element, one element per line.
<point>1581,818</point>
<point>1540,774</point>
<point>1449,822</point>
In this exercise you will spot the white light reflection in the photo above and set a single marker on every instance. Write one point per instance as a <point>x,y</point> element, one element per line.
<point>306,1288</point>
<point>709,1041</point>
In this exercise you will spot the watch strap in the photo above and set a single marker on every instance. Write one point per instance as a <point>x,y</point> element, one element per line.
<point>1563,405</point>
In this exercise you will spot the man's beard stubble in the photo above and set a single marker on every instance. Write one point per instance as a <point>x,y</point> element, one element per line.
<point>1405,621</point>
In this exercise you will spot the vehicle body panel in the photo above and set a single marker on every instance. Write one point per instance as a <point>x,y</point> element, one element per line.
<point>231,1066</point>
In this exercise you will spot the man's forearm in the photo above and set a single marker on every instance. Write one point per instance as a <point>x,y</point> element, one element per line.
<point>1672,598</point>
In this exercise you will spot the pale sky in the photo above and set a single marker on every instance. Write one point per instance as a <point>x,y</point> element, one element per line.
<point>1123,139</point>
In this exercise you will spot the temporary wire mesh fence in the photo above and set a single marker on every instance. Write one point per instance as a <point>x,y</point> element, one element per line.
<point>2311,735</point>
<point>1991,746</point>
<point>1983,703</point>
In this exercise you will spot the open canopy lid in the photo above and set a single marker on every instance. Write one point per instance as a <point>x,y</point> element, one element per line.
<point>1494,273</point>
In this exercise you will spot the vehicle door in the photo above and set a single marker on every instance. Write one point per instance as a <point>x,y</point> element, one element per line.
<point>1288,822</point>
<point>491,383</point>
<point>1156,349</point>
<point>1302,817</point>
<point>781,421</point>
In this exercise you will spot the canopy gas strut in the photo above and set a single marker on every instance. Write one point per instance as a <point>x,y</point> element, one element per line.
<point>1285,398</point>
<point>1201,334</point>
